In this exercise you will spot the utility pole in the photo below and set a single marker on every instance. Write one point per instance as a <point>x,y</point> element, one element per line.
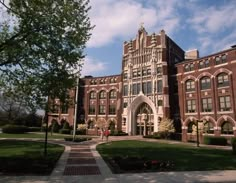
<point>76,101</point>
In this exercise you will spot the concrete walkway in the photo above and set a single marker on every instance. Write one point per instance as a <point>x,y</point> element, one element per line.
<point>81,163</point>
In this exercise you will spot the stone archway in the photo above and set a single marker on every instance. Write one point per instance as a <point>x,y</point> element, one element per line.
<point>133,113</point>
<point>144,120</point>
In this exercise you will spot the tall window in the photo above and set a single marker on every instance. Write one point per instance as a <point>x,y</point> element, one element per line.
<point>102,95</point>
<point>225,104</point>
<point>64,107</point>
<point>148,71</point>
<point>203,64</point>
<point>125,90</point>
<point>102,109</point>
<point>190,85</point>
<point>134,74</point>
<point>159,70</point>
<point>92,109</point>
<point>147,87</point>
<point>92,95</point>
<point>220,60</point>
<point>222,80</point>
<point>208,128</point>
<point>125,76</point>
<point>205,83</point>
<point>190,127</point>
<point>189,67</point>
<point>206,105</point>
<point>159,86</point>
<point>112,109</point>
<point>112,94</point>
<point>191,106</point>
<point>227,128</point>
<point>135,88</point>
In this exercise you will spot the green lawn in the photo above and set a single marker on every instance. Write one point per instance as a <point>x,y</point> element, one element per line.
<point>36,135</point>
<point>27,157</point>
<point>185,158</point>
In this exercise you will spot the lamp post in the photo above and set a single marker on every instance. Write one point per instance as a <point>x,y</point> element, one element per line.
<point>76,101</point>
<point>198,132</point>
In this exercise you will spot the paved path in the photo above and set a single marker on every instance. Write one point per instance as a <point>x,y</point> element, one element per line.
<point>81,163</point>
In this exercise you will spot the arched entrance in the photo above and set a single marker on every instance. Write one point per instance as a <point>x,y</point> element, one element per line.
<point>144,120</point>
<point>142,116</point>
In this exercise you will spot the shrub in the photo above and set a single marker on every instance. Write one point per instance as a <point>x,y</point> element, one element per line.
<point>233,142</point>
<point>14,129</point>
<point>66,126</point>
<point>81,132</point>
<point>215,140</point>
<point>118,133</point>
<point>64,131</point>
<point>55,127</point>
<point>77,139</point>
<point>34,129</point>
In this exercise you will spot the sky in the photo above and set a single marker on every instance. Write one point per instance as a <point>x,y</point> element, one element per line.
<point>206,25</point>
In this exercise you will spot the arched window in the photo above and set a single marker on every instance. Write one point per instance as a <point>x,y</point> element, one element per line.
<point>190,85</point>
<point>92,95</point>
<point>102,95</point>
<point>205,83</point>
<point>90,124</point>
<point>112,94</point>
<point>227,128</point>
<point>208,128</point>
<point>190,127</point>
<point>222,80</point>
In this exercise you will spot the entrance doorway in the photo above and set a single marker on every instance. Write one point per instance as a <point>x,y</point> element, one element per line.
<point>144,120</point>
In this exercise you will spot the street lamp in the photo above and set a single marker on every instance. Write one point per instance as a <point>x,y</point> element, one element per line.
<point>76,100</point>
<point>198,121</point>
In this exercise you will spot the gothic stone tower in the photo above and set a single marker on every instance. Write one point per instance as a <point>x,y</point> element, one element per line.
<point>149,81</point>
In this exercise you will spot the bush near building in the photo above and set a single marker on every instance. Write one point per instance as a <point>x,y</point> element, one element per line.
<point>14,129</point>
<point>233,143</point>
<point>222,141</point>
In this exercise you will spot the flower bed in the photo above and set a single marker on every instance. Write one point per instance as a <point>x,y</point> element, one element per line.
<point>138,164</point>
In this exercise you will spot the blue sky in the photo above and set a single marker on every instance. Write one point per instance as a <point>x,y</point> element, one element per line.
<point>207,25</point>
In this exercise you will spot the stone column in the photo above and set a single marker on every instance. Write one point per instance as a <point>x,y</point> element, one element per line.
<point>184,133</point>
<point>217,131</point>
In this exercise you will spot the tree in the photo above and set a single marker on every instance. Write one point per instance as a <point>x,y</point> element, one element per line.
<point>166,126</point>
<point>41,50</point>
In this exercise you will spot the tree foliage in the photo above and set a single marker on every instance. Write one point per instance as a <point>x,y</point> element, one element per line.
<point>166,125</point>
<point>41,50</point>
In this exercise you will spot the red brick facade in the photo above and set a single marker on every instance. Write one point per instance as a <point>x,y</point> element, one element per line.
<point>206,90</point>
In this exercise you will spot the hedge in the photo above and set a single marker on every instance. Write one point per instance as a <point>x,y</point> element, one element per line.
<point>118,133</point>
<point>34,129</point>
<point>14,129</point>
<point>64,131</point>
<point>215,140</point>
<point>233,142</point>
<point>77,139</point>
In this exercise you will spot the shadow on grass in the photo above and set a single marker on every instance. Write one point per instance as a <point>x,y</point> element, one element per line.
<point>27,158</point>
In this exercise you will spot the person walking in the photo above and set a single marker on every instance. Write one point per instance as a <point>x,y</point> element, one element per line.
<point>107,133</point>
<point>102,134</point>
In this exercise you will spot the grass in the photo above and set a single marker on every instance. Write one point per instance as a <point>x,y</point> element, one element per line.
<point>40,135</point>
<point>185,158</point>
<point>27,157</point>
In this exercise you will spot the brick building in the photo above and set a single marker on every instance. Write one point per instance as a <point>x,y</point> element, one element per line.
<point>206,90</point>
<point>158,79</point>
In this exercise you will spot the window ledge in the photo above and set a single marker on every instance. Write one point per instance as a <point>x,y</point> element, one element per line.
<point>224,112</point>
<point>205,113</point>
<point>189,114</point>
<point>220,65</point>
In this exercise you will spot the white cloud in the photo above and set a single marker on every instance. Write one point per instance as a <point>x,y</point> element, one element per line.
<point>121,19</point>
<point>92,67</point>
<point>212,19</point>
